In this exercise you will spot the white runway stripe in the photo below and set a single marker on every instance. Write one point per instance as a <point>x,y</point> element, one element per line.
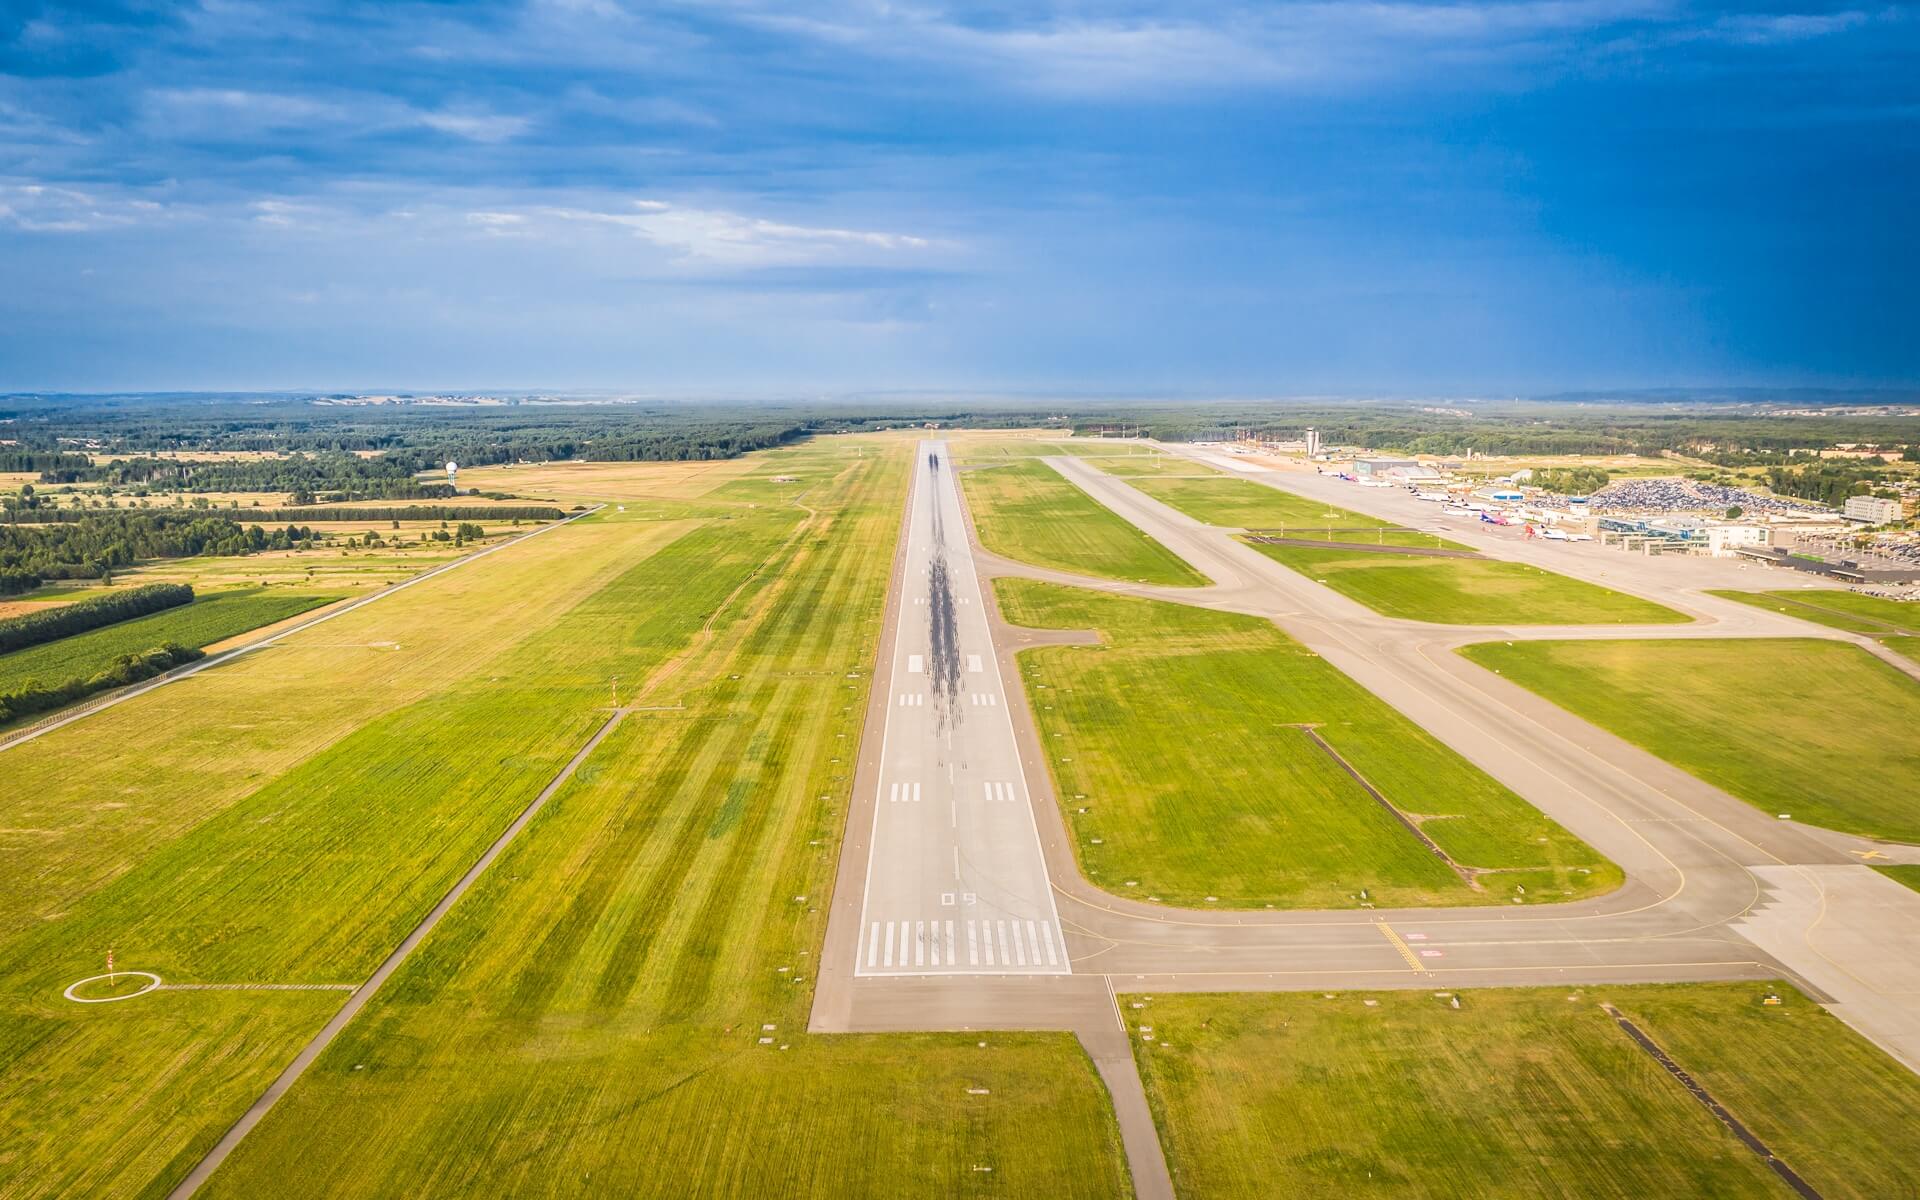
<point>888,960</point>
<point>903,793</point>
<point>1046,931</point>
<point>973,945</point>
<point>1000,932</point>
<point>873,946</point>
<point>919,943</point>
<point>974,665</point>
<point>1033,939</point>
<point>951,960</point>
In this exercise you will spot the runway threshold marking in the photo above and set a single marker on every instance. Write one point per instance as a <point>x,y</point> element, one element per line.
<point>1406,951</point>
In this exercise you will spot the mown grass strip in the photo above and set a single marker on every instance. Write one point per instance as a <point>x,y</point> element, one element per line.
<point>1821,731</point>
<point>1894,623</point>
<point>1467,591</point>
<point>1180,753</point>
<point>1028,511</point>
<point>1518,1092</point>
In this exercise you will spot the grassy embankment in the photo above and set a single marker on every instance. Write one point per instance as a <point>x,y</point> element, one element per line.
<point>1820,730</point>
<point>1026,510</point>
<point>208,619</point>
<point>620,967</point>
<point>1518,1093</point>
<point>1181,736</point>
<point>1464,591</point>
<point>1893,623</point>
<point>286,819</point>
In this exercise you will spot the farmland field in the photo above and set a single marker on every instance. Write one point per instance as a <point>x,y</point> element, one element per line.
<point>1820,730</point>
<point>208,619</point>
<point>1467,591</point>
<point>1183,736</point>
<point>1028,511</point>
<point>1518,1093</point>
<point>257,841</point>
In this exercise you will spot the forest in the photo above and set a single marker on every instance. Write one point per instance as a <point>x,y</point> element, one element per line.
<point>94,544</point>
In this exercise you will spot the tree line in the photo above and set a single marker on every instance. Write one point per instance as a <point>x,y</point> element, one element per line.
<point>94,544</point>
<point>422,512</point>
<point>1571,481</point>
<point>1828,483</point>
<point>36,697</point>
<point>336,476</point>
<point>34,628</point>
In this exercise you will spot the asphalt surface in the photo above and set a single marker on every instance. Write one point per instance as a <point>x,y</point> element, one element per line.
<point>955,881</point>
<point>1716,889</point>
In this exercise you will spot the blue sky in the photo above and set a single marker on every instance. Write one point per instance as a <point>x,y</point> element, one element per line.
<point>1201,197</point>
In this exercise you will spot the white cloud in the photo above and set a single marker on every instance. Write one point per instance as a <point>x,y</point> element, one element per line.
<point>225,114</point>
<point>723,238</point>
<point>1230,44</point>
<point>475,126</point>
<point>44,208</point>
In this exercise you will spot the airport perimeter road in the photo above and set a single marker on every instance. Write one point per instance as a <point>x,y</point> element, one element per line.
<point>955,880</point>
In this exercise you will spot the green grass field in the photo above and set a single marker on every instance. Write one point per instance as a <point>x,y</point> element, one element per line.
<point>208,619</point>
<point>1467,591</point>
<point>1172,466</point>
<point>1028,511</point>
<point>1820,730</point>
<point>1243,504</point>
<point>1896,624</point>
<point>592,1010</point>
<point>1518,1093</point>
<point>1906,873</point>
<point>1180,737</point>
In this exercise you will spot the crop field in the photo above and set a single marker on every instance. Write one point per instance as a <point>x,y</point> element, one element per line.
<point>244,826</point>
<point>635,974</point>
<point>1180,752</point>
<point>1518,1093</point>
<point>1026,510</point>
<point>1894,623</point>
<point>621,957</point>
<point>1467,591</point>
<point>569,483</point>
<point>986,447</point>
<point>209,619</point>
<point>1820,730</point>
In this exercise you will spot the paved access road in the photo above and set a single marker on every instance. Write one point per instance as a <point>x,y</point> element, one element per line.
<point>955,879</point>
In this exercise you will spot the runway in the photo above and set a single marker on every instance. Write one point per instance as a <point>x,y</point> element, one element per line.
<point>955,880</point>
